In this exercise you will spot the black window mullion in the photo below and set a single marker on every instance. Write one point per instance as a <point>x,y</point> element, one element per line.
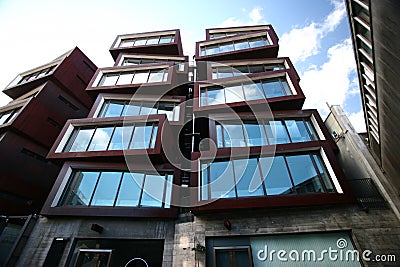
<point>151,135</point>
<point>209,181</point>
<point>91,138</point>
<point>119,75</point>
<point>290,174</point>
<point>104,109</point>
<point>94,189</point>
<point>72,139</point>
<point>264,126</point>
<point>148,76</point>
<point>261,177</point>
<point>234,178</point>
<point>282,87</point>
<point>131,137</point>
<point>245,137</point>
<point>222,135</point>
<point>165,190</point>
<point>308,125</point>
<point>318,172</point>
<point>123,108</point>
<point>68,191</point>
<point>287,131</point>
<point>119,187</point>
<point>262,88</point>
<point>109,142</point>
<point>141,190</point>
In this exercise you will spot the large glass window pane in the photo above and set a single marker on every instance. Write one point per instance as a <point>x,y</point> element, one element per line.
<point>273,88</point>
<point>152,40</point>
<point>257,42</point>
<point>108,79</point>
<point>234,94</point>
<point>233,134</point>
<point>114,109</point>
<point>140,42</point>
<point>132,109</point>
<point>221,180</point>
<point>248,179</point>
<point>276,132</point>
<point>226,47</point>
<point>153,191</point>
<point>203,97</point>
<point>129,192</point>
<point>106,189</point>
<point>243,44</point>
<point>125,78</point>
<point>5,116</point>
<point>311,130</point>
<point>126,43</point>
<point>255,134</point>
<point>224,72</point>
<point>149,108</point>
<point>141,137</point>
<point>166,108</point>
<point>140,77</point>
<point>120,138</point>
<point>82,189</point>
<point>204,182</point>
<point>297,131</point>
<point>241,70</point>
<point>101,138</point>
<point>256,68</point>
<point>304,175</point>
<point>202,51</point>
<point>156,76</point>
<point>220,139</point>
<point>212,49</point>
<point>276,176</point>
<point>252,91</point>
<point>324,174</point>
<point>215,96</point>
<point>286,87</point>
<point>165,39</point>
<point>82,140</point>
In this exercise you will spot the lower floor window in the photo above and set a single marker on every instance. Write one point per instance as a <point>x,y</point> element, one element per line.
<point>116,188</point>
<point>264,176</point>
<point>232,257</point>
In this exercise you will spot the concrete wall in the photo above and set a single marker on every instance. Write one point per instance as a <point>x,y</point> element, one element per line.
<point>47,229</point>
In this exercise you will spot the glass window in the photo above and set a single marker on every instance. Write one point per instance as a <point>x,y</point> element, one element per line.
<point>166,39</point>
<point>255,134</point>
<point>125,78</point>
<point>276,176</point>
<point>222,184</point>
<point>129,193</point>
<point>224,72</point>
<point>256,68</point>
<point>220,136</point>
<point>234,93</point>
<point>81,141</point>
<point>81,189</point>
<point>226,47</point>
<point>148,108</point>
<point>166,108</point>
<point>241,70</point>
<point>127,43</point>
<point>253,91</point>
<point>101,138</point>
<point>132,109</point>
<point>152,40</point>
<point>243,44</point>
<point>131,61</point>
<point>212,49</point>
<point>140,42</point>
<point>257,42</point>
<point>113,109</point>
<point>248,179</point>
<point>286,87</point>
<point>140,77</point>
<point>156,76</point>
<point>203,51</point>
<point>153,136</point>
<point>141,137</point>
<point>106,189</point>
<point>215,96</point>
<point>4,116</point>
<point>121,137</point>
<point>234,136</point>
<point>273,88</point>
<point>108,79</point>
<point>304,174</point>
<point>152,195</point>
<point>276,132</point>
<point>203,97</point>
<point>297,131</point>
<point>324,174</point>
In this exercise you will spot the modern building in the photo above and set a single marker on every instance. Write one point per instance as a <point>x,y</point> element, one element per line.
<point>225,169</point>
<point>43,99</point>
<point>376,37</point>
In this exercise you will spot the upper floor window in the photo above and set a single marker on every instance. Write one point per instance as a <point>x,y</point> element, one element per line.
<point>118,108</point>
<point>245,91</point>
<point>134,77</point>
<point>112,137</point>
<point>264,132</point>
<point>151,40</point>
<point>235,45</point>
<point>218,35</point>
<point>118,189</point>
<point>139,61</point>
<point>264,176</point>
<point>231,71</point>
<point>8,116</point>
<point>36,74</point>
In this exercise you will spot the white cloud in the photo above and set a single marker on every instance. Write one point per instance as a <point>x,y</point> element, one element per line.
<point>357,120</point>
<point>255,17</point>
<point>331,82</point>
<point>301,43</point>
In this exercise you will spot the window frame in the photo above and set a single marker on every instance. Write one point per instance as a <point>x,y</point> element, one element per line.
<point>233,249</point>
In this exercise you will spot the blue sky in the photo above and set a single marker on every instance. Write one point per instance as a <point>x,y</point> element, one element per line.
<point>313,33</point>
